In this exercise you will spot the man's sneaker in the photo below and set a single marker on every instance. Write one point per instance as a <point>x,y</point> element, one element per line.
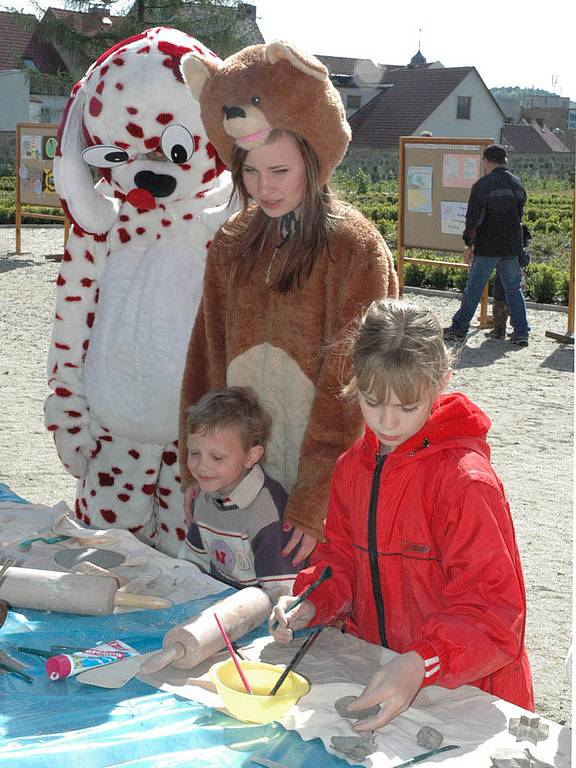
<point>496,333</point>
<point>517,340</point>
<point>451,335</point>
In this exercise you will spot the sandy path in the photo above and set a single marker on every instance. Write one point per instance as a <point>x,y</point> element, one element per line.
<point>528,394</point>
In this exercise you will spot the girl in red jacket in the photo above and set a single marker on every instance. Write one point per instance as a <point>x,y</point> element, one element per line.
<point>419,534</point>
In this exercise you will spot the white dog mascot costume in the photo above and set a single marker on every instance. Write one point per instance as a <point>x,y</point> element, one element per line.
<point>130,281</point>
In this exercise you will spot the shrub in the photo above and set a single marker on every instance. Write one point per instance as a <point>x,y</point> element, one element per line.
<point>415,275</point>
<point>438,278</point>
<point>542,283</point>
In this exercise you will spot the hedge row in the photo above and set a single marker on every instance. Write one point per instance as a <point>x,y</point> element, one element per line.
<point>545,284</point>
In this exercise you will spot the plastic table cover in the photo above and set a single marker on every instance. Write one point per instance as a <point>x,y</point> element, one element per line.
<point>63,724</point>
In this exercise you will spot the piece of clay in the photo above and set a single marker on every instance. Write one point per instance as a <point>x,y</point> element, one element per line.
<point>534,762</point>
<point>341,706</point>
<point>104,558</point>
<point>355,747</point>
<point>510,758</point>
<point>429,737</point>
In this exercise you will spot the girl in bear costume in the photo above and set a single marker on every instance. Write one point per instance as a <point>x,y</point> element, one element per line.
<point>130,281</point>
<point>287,276</point>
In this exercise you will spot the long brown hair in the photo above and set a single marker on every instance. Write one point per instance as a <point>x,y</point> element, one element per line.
<point>317,219</point>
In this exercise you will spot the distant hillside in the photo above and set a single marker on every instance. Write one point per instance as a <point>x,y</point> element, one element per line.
<point>515,92</point>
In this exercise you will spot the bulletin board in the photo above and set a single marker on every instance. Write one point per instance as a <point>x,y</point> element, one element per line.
<point>435,177</point>
<point>36,145</point>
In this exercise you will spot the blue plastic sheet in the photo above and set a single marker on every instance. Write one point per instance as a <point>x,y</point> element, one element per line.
<point>64,724</point>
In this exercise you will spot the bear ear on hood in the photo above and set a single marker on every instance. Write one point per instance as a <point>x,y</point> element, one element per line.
<point>309,65</point>
<point>196,70</point>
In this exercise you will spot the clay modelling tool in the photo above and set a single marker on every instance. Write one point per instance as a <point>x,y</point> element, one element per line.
<point>13,667</point>
<point>27,543</point>
<point>304,648</point>
<point>69,593</point>
<point>426,755</point>
<point>245,682</point>
<point>200,637</point>
<point>326,574</point>
<point>34,652</point>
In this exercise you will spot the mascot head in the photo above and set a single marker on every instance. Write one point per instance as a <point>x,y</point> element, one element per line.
<point>132,117</point>
<point>264,87</point>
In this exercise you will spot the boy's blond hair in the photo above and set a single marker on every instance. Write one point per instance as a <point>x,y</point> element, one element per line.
<point>234,407</point>
<point>398,350</point>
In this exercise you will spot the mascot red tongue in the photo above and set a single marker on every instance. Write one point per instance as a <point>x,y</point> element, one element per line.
<point>130,280</point>
<point>142,199</point>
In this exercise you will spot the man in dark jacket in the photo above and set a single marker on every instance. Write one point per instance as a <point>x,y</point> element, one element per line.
<point>493,237</point>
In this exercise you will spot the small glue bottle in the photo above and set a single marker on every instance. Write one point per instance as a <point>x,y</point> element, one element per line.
<point>69,664</point>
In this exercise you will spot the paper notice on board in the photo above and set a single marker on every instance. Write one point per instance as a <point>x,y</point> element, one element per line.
<point>460,170</point>
<point>31,147</point>
<point>419,189</point>
<point>452,218</point>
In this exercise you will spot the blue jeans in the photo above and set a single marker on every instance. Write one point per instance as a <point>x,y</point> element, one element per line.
<point>480,271</point>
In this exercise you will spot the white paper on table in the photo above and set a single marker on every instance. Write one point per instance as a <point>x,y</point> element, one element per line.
<point>340,665</point>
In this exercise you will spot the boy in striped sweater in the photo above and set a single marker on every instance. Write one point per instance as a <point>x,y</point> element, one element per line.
<point>236,534</point>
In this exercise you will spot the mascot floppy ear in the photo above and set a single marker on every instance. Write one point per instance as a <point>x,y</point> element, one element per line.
<point>87,209</point>
<point>195,71</point>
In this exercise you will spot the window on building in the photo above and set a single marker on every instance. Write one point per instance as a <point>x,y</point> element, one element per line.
<point>463,107</point>
<point>29,64</point>
<point>353,101</point>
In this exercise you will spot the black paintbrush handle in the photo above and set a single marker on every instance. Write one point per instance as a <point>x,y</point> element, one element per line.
<point>326,574</point>
<point>301,651</point>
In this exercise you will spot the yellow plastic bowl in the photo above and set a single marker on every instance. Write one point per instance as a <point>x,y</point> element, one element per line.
<point>260,707</point>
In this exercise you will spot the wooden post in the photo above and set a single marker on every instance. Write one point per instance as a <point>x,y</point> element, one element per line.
<point>400,264</point>
<point>18,209</point>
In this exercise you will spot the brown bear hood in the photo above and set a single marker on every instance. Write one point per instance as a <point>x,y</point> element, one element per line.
<point>263,87</point>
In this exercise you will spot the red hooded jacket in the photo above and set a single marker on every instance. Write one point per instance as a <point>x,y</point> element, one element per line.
<point>423,554</point>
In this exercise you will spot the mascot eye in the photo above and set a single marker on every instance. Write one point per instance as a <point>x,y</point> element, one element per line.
<point>177,144</point>
<point>102,156</point>
<point>256,101</point>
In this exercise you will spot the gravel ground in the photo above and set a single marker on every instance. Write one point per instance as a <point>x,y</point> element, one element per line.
<point>528,394</point>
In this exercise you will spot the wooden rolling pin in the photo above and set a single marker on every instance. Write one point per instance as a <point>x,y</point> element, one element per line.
<point>199,638</point>
<point>70,592</point>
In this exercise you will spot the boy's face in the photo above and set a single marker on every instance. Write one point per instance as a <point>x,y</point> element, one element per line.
<point>394,422</point>
<point>218,459</point>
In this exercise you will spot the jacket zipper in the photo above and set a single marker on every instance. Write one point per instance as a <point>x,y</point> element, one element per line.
<point>373,549</point>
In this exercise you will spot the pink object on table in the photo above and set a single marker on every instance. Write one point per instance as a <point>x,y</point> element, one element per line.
<point>245,682</point>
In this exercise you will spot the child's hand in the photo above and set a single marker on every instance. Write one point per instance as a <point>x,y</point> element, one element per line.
<point>394,686</point>
<point>298,618</point>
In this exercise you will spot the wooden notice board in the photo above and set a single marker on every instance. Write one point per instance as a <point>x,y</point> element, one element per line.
<point>435,177</point>
<point>36,145</point>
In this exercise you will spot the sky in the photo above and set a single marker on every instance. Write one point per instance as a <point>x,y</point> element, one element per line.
<point>508,43</point>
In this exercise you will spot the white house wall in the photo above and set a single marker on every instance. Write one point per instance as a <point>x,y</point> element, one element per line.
<point>485,117</point>
<point>14,99</point>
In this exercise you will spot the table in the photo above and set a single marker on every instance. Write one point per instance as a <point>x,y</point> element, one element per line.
<point>64,724</point>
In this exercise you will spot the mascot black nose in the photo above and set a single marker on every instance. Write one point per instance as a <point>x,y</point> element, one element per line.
<point>159,184</point>
<point>231,112</point>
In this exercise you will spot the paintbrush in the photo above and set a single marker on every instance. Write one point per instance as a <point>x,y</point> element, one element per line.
<point>326,574</point>
<point>299,654</point>
<point>239,669</point>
